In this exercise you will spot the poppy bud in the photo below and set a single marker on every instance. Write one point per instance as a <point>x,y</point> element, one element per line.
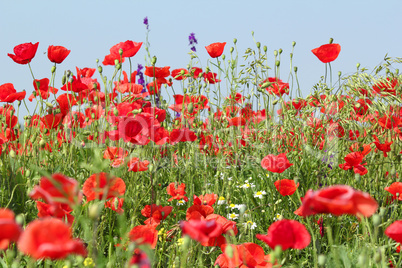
<point>229,251</point>
<point>339,73</point>
<point>184,90</point>
<point>275,53</point>
<point>63,80</point>
<point>358,65</point>
<point>258,44</point>
<point>231,50</point>
<point>277,63</point>
<point>331,40</point>
<point>92,115</point>
<point>223,57</point>
<point>118,66</point>
<point>321,260</point>
<point>293,43</point>
<point>277,252</point>
<point>280,51</point>
<point>94,211</point>
<point>150,167</point>
<point>376,220</point>
<point>207,70</point>
<point>295,69</point>
<point>115,112</point>
<point>153,61</point>
<point>53,69</point>
<point>235,41</point>
<point>42,144</point>
<point>48,104</point>
<point>100,69</point>
<point>68,73</point>
<point>291,55</point>
<point>265,48</point>
<point>120,51</point>
<point>12,154</point>
<point>274,102</point>
<point>190,108</point>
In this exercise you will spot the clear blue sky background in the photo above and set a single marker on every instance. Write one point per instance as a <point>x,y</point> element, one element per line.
<point>366,30</point>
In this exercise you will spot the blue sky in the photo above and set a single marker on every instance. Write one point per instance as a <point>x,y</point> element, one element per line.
<point>366,30</point>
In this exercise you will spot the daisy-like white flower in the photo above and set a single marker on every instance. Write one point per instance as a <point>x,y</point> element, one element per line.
<point>260,194</point>
<point>232,206</point>
<point>221,200</point>
<point>249,224</point>
<point>232,216</point>
<point>247,185</point>
<point>278,217</point>
<point>241,207</point>
<point>181,202</point>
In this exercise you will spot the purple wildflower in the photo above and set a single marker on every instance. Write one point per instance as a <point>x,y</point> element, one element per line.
<point>177,114</point>
<point>146,22</point>
<point>193,41</point>
<point>141,80</point>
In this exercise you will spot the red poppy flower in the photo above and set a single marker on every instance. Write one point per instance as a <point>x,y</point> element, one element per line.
<point>10,231</point>
<point>155,213</point>
<point>114,152</point>
<point>115,204</point>
<point>140,260</point>
<point>76,85</point>
<point>42,88</point>
<point>211,78</point>
<point>286,186</point>
<point>338,200</point>
<point>144,234</point>
<point>56,210</point>
<point>49,238</point>
<point>387,87</point>
<point>58,189</point>
<point>236,121</point>
<point>394,231</point>
<point>384,147</point>
<point>178,74</point>
<point>24,53</point>
<point>182,135</point>
<point>207,199</point>
<point>287,234</point>
<point>157,72</point>
<point>178,193</point>
<point>134,164</point>
<point>353,161</point>
<point>111,59</point>
<point>276,164</point>
<point>395,188</point>
<point>277,87</point>
<point>196,71</point>
<point>85,72</point>
<point>215,49</point>
<point>57,54</point>
<point>201,230</point>
<point>129,48</point>
<point>327,53</point>
<point>103,185</point>
<point>244,255</point>
<point>198,212</point>
<point>52,121</point>
<point>9,94</point>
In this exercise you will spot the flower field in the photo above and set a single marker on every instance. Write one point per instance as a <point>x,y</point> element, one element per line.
<point>222,165</point>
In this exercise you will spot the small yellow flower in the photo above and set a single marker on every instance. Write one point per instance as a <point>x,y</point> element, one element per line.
<point>180,241</point>
<point>89,262</point>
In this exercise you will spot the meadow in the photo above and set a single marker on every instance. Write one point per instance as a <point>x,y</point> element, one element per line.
<point>223,165</point>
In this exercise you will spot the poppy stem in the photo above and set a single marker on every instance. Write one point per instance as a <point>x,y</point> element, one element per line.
<point>330,74</point>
